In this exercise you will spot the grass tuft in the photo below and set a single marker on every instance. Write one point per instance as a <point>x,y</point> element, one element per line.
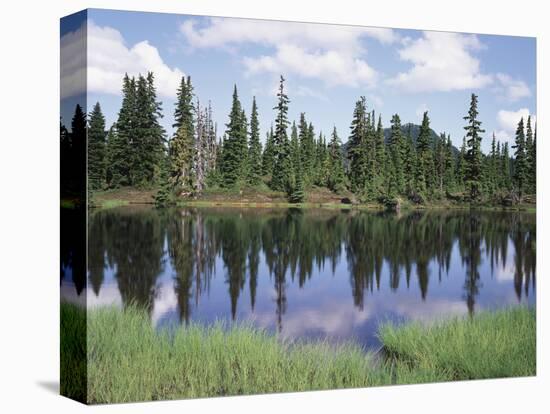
<point>489,345</point>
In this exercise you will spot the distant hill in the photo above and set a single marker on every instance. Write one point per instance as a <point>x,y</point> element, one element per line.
<point>415,131</point>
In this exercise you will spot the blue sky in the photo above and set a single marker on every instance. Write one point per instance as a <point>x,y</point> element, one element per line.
<point>327,67</point>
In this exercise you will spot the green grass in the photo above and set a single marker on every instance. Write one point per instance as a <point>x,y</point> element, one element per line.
<point>105,204</point>
<point>490,345</point>
<point>129,360</point>
<point>73,352</point>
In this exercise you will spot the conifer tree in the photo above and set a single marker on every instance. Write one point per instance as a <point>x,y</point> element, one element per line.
<point>530,153</point>
<point>233,147</point>
<point>380,146</point>
<point>76,160</point>
<point>96,149</point>
<point>181,165</point>
<point>164,195</point>
<point>396,150</point>
<point>149,134</point>
<point>521,166</point>
<point>268,156</point>
<point>184,112</point>
<point>440,161</point>
<point>306,148</point>
<point>473,179</point>
<point>202,148</point>
<point>497,162</point>
<point>461,165</point>
<point>372,184</point>
<point>449,177</point>
<point>506,167</point>
<point>424,156</point>
<point>295,148</point>
<point>110,140</point>
<point>243,148</point>
<point>357,146</point>
<point>211,148</point>
<point>122,150</point>
<point>491,176</point>
<point>378,154</point>
<point>336,177</point>
<point>281,169</point>
<point>409,163</point>
<point>255,149</point>
<point>322,162</point>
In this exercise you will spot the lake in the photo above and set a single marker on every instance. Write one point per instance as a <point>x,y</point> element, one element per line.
<point>305,274</point>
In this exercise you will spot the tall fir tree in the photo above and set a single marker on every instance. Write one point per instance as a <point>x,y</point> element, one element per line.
<point>424,156</point>
<point>474,172</point>
<point>255,149</point>
<point>396,152</point>
<point>296,192</point>
<point>182,144</point>
<point>521,164</point>
<point>152,151</point>
<point>184,112</point>
<point>282,163</point>
<point>96,149</point>
<point>122,150</point>
<point>233,146</point>
<point>357,146</point>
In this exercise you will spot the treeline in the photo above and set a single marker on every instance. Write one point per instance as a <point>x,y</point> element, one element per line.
<point>295,159</point>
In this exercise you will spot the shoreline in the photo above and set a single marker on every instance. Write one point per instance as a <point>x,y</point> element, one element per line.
<point>375,207</point>
<point>252,198</point>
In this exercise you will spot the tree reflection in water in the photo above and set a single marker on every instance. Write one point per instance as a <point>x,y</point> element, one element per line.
<point>293,246</point>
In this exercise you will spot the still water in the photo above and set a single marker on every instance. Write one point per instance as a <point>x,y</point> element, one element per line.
<point>305,274</point>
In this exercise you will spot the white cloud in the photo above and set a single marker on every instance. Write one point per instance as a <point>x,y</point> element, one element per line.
<point>331,66</point>
<point>507,122</point>
<point>333,54</point>
<point>441,62</point>
<point>108,59</point>
<point>511,89</point>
